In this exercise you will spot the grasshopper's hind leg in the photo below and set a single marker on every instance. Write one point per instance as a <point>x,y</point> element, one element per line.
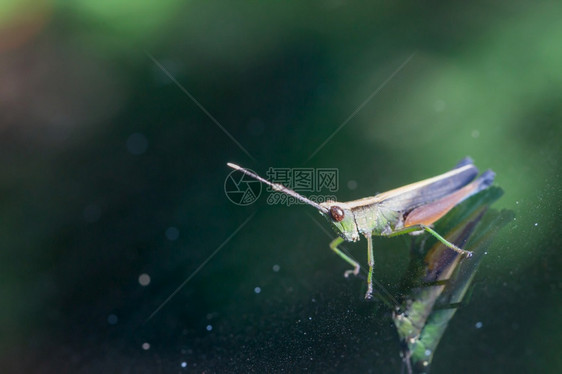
<point>334,247</point>
<point>418,227</point>
<point>461,251</point>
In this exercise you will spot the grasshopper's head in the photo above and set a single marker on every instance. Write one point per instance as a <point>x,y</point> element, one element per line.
<point>341,218</point>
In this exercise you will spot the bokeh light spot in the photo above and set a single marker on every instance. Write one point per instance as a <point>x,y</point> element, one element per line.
<point>92,213</point>
<point>112,319</point>
<point>137,144</point>
<point>144,279</point>
<point>172,233</point>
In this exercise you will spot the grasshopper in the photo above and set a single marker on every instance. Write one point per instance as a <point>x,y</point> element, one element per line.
<point>409,209</point>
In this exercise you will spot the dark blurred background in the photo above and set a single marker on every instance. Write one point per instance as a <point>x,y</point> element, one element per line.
<point>117,120</point>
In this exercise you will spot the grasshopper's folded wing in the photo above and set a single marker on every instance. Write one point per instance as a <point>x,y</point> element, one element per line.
<point>411,196</point>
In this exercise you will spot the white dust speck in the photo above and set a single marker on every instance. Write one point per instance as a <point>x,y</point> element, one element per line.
<point>257,290</point>
<point>276,268</point>
<point>209,328</point>
<point>478,325</point>
<point>146,346</point>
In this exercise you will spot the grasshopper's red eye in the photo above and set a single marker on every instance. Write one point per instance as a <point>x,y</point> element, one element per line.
<point>337,213</point>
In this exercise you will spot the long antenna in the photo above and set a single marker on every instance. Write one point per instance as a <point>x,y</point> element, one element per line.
<point>280,188</point>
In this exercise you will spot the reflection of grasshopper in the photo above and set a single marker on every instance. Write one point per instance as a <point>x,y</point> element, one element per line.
<point>437,281</point>
<point>400,211</point>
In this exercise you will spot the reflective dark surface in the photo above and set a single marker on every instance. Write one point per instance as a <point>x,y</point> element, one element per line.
<point>121,252</point>
<point>438,279</point>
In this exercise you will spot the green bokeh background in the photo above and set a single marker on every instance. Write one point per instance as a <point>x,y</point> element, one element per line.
<point>81,217</point>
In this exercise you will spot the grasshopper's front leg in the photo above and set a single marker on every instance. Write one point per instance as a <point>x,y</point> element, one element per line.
<point>334,247</point>
<point>371,262</point>
<point>370,259</point>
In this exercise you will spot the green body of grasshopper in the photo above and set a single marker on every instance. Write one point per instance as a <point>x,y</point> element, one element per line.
<point>400,211</point>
